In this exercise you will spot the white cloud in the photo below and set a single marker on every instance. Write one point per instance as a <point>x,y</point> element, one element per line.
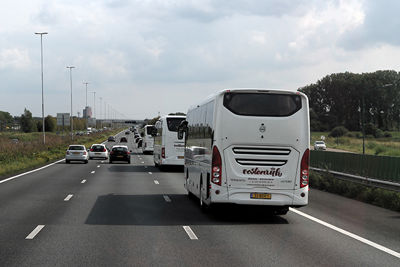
<point>14,58</point>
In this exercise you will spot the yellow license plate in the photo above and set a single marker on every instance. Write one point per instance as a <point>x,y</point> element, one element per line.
<point>76,153</point>
<point>181,157</point>
<point>260,195</point>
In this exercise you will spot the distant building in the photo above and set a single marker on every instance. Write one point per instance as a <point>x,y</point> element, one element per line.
<point>87,112</point>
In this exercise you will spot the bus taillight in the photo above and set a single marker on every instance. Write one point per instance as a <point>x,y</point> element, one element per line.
<point>304,169</point>
<point>216,167</point>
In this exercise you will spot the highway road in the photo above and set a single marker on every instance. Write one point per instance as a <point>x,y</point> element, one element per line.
<point>102,214</point>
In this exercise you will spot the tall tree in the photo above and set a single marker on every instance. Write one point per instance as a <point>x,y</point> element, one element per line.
<point>27,123</point>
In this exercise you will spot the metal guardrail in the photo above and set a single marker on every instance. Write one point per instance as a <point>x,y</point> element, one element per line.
<point>362,180</point>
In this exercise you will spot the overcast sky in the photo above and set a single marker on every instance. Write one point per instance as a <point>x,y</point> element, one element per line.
<point>149,56</point>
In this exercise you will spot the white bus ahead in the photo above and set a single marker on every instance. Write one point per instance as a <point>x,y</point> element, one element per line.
<point>168,150</point>
<point>148,139</point>
<point>248,146</point>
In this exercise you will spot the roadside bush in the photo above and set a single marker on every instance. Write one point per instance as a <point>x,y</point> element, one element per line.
<point>338,131</point>
<point>376,196</point>
<point>380,149</point>
<point>350,134</point>
<point>378,133</point>
<point>387,134</point>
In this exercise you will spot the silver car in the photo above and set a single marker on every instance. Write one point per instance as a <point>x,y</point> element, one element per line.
<point>319,145</point>
<point>76,153</point>
<point>98,151</point>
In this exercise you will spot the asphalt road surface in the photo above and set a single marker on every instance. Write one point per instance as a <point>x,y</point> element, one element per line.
<point>119,214</point>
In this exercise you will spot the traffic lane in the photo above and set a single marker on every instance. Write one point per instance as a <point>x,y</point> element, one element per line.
<point>79,232</point>
<point>35,199</point>
<point>368,221</point>
<point>299,242</point>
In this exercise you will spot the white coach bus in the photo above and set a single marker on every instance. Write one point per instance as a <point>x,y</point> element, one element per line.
<point>168,150</point>
<point>148,139</point>
<point>248,146</point>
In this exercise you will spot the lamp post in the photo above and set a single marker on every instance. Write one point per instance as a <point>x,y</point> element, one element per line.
<point>70,119</point>
<point>101,123</point>
<point>41,64</point>
<point>94,105</point>
<point>86,117</point>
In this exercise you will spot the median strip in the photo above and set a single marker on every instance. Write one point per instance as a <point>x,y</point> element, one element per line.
<point>35,232</point>
<point>190,233</point>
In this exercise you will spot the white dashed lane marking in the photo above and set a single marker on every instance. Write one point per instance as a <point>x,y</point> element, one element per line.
<point>68,197</point>
<point>156,182</point>
<point>35,232</point>
<point>98,166</point>
<point>190,233</point>
<point>167,199</point>
<point>150,173</point>
<point>83,181</point>
<point>92,172</point>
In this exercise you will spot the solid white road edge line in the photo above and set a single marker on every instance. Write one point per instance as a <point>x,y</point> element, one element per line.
<point>156,182</point>
<point>35,170</point>
<point>359,238</point>
<point>68,197</point>
<point>83,181</point>
<point>167,199</point>
<point>190,233</point>
<point>35,232</point>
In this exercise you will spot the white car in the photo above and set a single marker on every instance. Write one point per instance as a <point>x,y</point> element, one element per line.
<point>98,151</point>
<point>319,145</point>
<point>76,153</point>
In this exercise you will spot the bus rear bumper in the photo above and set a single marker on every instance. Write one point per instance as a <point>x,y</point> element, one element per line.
<point>292,198</point>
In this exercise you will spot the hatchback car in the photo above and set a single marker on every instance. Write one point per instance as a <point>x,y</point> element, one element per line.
<point>98,151</point>
<point>319,145</point>
<point>76,153</point>
<point>123,140</point>
<point>120,153</point>
<point>127,132</point>
<point>111,139</point>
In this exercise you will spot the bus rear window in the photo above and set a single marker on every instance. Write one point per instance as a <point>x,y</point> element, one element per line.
<point>262,104</point>
<point>173,123</point>
<point>149,130</point>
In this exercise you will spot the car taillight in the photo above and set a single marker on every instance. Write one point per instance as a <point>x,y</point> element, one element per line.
<point>127,152</point>
<point>104,150</point>
<point>91,150</point>
<point>304,169</point>
<point>67,152</point>
<point>163,152</point>
<point>84,152</point>
<point>216,167</point>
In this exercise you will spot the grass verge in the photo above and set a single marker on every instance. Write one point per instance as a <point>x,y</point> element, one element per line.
<point>376,196</point>
<point>30,153</point>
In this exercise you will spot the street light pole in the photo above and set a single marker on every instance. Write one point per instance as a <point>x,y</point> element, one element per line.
<point>94,105</point>
<point>101,125</point>
<point>86,117</point>
<point>71,120</point>
<point>41,64</point>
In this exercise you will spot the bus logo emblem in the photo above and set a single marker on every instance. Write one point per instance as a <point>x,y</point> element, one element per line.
<point>262,128</point>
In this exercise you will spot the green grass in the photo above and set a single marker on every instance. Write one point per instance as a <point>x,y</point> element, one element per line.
<point>387,146</point>
<point>30,152</point>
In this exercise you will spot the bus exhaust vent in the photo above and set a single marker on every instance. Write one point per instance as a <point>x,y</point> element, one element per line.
<point>261,162</point>
<point>261,151</point>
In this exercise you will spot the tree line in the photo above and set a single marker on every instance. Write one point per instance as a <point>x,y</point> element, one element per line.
<point>347,99</point>
<point>26,123</point>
